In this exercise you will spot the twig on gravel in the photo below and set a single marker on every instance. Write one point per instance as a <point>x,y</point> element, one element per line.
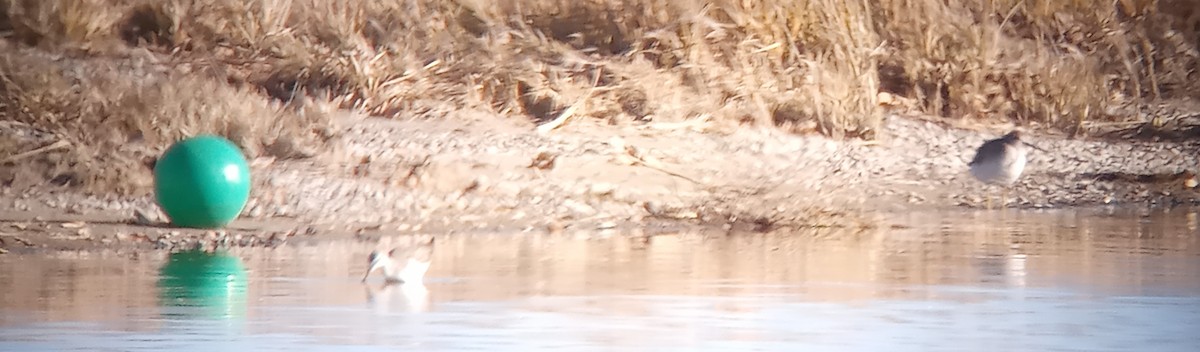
<point>413,170</point>
<point>544,160</point>
<point>568,113</point>
<point>689,124</point>
<point>23,241</point>
<point>631,155</point>
<point>562,118</point>
<point>53,146</point>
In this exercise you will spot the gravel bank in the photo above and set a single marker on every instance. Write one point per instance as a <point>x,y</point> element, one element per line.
<point>473,173</point>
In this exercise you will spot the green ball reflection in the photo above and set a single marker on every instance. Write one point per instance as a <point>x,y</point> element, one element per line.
<point>213,283</point>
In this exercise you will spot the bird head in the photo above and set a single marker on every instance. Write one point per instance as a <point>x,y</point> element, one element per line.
<point>377,260</point>
<point>408,260</point>
<point>1014,137</point>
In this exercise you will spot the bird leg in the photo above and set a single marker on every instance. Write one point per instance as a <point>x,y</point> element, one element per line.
<point>987,196</point>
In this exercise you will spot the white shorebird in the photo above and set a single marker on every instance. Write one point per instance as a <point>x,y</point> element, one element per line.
<point>402,264</point>
<point>1001,161</point>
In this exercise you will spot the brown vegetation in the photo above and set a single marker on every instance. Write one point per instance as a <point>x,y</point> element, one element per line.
<point>121,79</point>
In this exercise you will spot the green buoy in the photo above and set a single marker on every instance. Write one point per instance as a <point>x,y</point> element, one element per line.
<point>202,182</point>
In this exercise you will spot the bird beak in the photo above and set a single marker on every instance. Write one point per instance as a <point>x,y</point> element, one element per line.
<point>375,264</point>
<point>1034,147</point>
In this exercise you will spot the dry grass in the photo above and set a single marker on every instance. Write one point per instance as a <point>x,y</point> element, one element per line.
<point>1062,64</point>
<point>103,73</point>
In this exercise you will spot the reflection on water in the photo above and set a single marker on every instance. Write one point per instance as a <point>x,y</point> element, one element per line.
<point>956,282</point>
<point>203,284</point>
<point>410,297</point>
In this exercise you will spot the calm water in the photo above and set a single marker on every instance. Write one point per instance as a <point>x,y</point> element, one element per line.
<point>1052,281</point>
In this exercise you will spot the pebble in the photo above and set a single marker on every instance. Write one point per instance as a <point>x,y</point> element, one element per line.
<point>601,189</point>
<point>578,207</point>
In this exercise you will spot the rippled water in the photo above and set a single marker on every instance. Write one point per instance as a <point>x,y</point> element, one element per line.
<point>1014,281</point>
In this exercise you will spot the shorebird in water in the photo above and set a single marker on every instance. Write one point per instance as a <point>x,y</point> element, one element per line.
<point>1001,161</point>
<point>402,264</point>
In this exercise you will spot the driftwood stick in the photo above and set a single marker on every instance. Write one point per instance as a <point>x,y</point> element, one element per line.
<point>53,146</point>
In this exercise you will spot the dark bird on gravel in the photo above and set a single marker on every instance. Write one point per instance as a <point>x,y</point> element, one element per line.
<point>1001,161</point>
<point>402,264</point>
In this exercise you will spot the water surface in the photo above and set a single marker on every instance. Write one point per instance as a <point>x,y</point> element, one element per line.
<point>988,281</point>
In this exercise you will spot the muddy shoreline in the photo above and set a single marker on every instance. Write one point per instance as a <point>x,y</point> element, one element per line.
<point>478,173</point>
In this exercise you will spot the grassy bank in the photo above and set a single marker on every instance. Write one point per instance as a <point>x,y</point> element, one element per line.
<point>119,79</point>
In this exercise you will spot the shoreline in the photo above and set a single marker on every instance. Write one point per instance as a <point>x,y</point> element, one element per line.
<point>484,173</point>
